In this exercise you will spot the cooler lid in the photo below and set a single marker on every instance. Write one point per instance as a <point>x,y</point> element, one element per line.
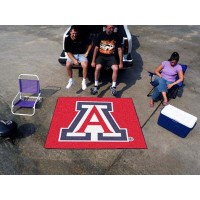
<point>180,116</point>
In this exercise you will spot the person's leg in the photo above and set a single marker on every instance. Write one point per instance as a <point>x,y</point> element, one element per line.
<point>69,64</point>
<point>164,93</point>
<point>155,93</point>
<point>165,100</point>
<point>115,73</point>
<point>85,70</point>
<point>94,90</point>
<point>154,96</point>
<point>161,88</point>
<point>99,63</point>
<point>84,64</point>
<point>97,73</point>
<point>69,69</point>
<point>70,73</point>
<point>114,79</point>
<point>113,62</point>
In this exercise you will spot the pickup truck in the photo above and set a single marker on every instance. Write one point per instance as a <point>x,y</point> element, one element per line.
<point>92,32</point>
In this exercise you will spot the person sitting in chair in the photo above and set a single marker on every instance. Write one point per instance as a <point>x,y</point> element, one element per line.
<point>165,79</point>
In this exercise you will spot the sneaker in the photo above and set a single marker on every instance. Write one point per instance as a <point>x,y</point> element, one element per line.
<point>70,83</point>
<point>94,90</point>
<point>84,85</point>
<point>113,90</point>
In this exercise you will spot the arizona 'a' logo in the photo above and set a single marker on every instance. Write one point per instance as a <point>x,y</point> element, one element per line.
<point>94,122</point>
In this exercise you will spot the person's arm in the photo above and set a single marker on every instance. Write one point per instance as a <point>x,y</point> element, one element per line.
<point>158,70</point>
<point>120,54</point>
<point>96,49</point>
<point>181,77</point>
<point>88,50</point>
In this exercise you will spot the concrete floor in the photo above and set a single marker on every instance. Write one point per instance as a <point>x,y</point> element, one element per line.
<point>35,49</point>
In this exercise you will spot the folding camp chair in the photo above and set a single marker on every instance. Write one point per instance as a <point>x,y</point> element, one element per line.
<point>28,95</point>
<point>172,92</point>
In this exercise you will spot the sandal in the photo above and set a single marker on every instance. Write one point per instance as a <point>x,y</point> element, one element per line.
<point>165,103</point>
<point>151,104</point>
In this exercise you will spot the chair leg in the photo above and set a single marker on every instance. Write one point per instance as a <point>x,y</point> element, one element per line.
<point>150,93</point>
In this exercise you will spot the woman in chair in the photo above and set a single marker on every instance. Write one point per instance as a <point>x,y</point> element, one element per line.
<point>166,78</point>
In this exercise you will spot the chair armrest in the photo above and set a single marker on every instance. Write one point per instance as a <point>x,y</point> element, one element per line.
<point>151,73</point>
<point>16,98</point>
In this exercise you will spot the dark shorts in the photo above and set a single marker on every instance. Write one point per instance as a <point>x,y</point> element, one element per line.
<point>107,60</point>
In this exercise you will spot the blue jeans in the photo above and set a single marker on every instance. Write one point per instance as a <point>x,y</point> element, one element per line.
<point>161,86</point>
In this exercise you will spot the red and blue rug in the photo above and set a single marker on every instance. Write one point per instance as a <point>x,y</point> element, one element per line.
<point>95,123</point>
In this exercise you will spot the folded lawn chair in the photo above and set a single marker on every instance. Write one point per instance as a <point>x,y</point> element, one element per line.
<point>29,94</point>
<point>172,92</point>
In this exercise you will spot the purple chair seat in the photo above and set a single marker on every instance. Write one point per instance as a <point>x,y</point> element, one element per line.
<point>26,104</point>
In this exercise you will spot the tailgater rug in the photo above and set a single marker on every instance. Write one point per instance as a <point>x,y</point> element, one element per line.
<point>95,123</point>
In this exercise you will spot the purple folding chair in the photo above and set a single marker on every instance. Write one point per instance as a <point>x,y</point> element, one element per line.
<point>28,95</point>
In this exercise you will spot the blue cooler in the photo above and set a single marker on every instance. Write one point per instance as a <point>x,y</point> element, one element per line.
<point>176,120</point>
